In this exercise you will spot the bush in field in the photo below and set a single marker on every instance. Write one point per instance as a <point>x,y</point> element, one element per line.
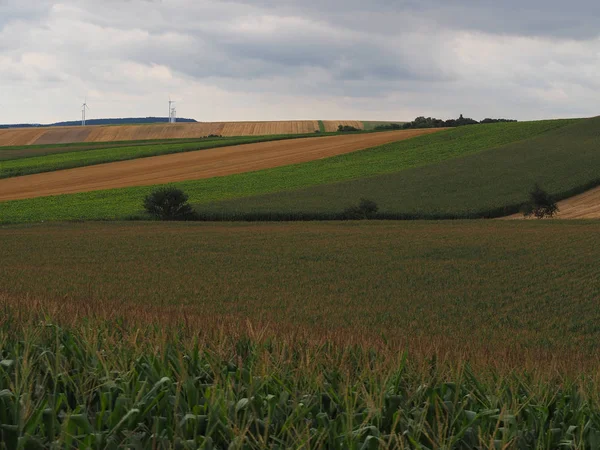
<point>168,203</point>
<point>366,209</point>
<point>389,126</point>
<point>541,204</point>
<point>345,128</point>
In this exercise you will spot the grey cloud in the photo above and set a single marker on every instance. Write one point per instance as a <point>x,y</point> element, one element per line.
<point>549,18</point>
<point>388,58</point>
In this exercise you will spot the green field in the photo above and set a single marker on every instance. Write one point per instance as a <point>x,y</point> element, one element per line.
<point>528,284</point>
<point>23,163</point>
<point>420,335</point>
<point>390,158</point>
<point>490,183</point>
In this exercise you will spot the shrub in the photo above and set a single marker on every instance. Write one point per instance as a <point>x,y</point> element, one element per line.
<point>345,128</point>
<point>541,204</point>
<point>168,203</point>
<point>389,126</point>
<point>366,209</point>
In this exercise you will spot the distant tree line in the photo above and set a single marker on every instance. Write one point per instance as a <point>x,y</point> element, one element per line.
<point>346,128</point>
<point>21,125</point>
<point>117,121</point>
<point>432,122</point>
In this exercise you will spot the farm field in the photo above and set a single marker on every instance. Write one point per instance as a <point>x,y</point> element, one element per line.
<point>393,157</point>
<point>24,161</point>
<point>332,125</point>
<point>490,183</point>
<point>582,206</point>
<point>226,160</point>
<point>463,334</point>
<point>28,151</point>
<point>365,275</point>
<point>159,131</point>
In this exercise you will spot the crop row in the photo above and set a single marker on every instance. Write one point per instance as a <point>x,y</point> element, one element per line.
<point>108,384</point>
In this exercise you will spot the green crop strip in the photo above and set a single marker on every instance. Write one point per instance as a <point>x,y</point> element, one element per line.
<point>420,151</point>
<point>80,158</point>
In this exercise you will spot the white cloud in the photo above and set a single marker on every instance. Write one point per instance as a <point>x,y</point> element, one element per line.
<point>294,60</point>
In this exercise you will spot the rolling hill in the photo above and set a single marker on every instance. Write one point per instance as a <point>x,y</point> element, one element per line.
<point>192,165</point>
<point>437,150</point>
<point>490,183</point>
<point>153,131</point>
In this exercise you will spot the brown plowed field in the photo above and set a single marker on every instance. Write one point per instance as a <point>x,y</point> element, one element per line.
<point>99,133</point>
<point>332,125</point>
<point>20,136</point>
<point>194,165</point>
<point>582,206</point>
<point>153,131</point>
<point>267,128</point>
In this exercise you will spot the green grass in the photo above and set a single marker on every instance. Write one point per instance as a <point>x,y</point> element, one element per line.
<point>321,126</point>
<point>421,151</point>
<point>110,153</point>
<point>428,335</point>
<point>495,182</point>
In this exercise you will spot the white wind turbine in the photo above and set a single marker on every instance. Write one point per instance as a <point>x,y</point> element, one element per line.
<point>171,111</point>
<point>83,108</point>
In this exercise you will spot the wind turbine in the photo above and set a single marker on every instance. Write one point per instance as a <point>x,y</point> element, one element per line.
<point>83,108</point>
<point>171,111</point>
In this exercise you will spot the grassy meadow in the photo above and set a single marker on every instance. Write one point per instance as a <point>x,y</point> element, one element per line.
<point>407,335</point>
<point>390,158</point>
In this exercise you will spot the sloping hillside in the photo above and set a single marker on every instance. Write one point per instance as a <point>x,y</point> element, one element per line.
<point>490,183</point>
<point>64,135</point>
<point>194,165</point>
<point>442,147</point>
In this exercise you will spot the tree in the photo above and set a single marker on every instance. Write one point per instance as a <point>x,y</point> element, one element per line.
<point>346,128</point>
<point>366,209</point>
<point>541,204</point>
<point>168,203</point>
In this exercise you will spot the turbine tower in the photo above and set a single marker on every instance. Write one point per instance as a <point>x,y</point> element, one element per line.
<point>83,108</point>
<point>172,111</point>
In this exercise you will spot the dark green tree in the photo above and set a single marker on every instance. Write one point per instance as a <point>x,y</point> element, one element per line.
<point>366,209</point>
<point>540,205</point>
<point>168,203</point>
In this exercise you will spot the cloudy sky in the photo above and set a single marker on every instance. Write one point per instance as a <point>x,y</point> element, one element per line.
<point>310,59</point>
